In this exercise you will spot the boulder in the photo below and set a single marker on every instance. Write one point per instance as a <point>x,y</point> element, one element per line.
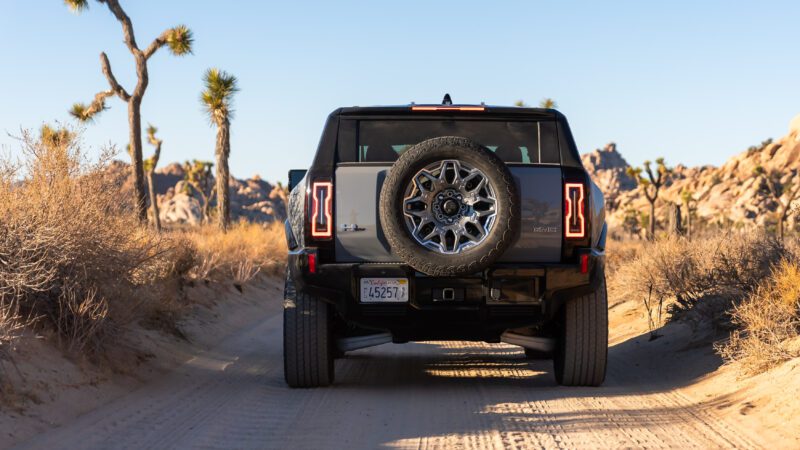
<point>182,209</point>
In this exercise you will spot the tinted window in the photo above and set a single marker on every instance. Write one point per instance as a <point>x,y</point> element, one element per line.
<point>549,143</point>
<point>512,141</point>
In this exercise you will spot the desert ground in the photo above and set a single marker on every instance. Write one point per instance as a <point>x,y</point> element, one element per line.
<point>223,387</point>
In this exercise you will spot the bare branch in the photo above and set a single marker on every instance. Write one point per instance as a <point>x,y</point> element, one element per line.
<point>112,81</point>
<point>650,197</point>
<point>127,26</point>
<point>157,43</point>
<point>86,113</point>
<point>152,162</point>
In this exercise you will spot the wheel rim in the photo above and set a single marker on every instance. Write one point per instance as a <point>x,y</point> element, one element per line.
<point>449,206</point>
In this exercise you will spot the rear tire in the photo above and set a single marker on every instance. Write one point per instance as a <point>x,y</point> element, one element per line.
<point>308,345</point>
<point>582,350</point>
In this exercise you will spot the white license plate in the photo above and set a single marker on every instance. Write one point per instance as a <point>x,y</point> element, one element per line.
<point>384,290</point>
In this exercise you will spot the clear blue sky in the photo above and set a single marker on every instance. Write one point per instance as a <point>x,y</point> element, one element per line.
<point>695,81</point>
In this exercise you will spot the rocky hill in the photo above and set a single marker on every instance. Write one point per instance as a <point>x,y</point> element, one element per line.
<point>728,194</point>
<point>608,167</point>
<point>252,199</point>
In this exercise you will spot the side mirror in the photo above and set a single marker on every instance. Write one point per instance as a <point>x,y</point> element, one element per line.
<point>295,177</point>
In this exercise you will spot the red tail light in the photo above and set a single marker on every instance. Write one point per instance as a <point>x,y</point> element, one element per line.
<point>312,263</point>
<point>448,108</point>
<point>574,207</point>
<point>321,210</point>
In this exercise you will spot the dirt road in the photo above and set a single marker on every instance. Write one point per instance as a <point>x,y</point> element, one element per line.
<point>444,395</point>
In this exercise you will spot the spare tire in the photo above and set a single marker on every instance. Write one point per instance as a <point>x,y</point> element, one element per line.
<point>449,207</point>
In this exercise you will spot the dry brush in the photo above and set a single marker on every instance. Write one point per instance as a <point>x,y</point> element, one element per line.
<point>76,262</point>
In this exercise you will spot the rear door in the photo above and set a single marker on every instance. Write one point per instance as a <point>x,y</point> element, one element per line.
<point>530,148</point>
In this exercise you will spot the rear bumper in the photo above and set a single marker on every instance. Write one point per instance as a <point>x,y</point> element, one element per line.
<point>529,295</point>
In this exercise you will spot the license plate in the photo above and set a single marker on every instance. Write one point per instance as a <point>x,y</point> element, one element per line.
<point>384,290</point>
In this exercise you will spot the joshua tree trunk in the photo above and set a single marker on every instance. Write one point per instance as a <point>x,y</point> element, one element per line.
<point>207,207</point>
<point>223,174</point>
<point>688,223</point>
<point>651,228</point>
<point>153,201</point>
<point>135,122</point>
<point>782,218</point>
<point>675,222</point>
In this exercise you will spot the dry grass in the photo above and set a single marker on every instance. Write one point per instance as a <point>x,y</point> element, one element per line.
<point>72,256</point>
<point>768,321</point>
<point>620,252</point>
<point>698,280</point>
<point>246,250</point>
<point>75,260</point>
<point>745,282</point>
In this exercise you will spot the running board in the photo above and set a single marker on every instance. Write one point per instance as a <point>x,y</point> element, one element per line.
<point>354,343</point>
<point>534,343</point>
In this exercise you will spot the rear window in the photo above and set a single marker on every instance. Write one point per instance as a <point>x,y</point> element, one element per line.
<point>524,142</point>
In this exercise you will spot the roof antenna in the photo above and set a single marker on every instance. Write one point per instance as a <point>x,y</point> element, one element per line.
<point>447,100</point>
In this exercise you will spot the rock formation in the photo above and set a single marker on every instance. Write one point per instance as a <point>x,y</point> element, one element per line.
<point>252,199</point>
<point>730,194</point>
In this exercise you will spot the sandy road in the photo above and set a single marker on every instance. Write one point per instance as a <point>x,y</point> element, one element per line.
<point>443,395</point>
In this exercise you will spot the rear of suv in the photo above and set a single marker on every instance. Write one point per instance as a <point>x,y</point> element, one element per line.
<point>445,222</point>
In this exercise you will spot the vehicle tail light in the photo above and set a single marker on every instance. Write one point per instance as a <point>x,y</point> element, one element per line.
<point>584,263</point>
<point>321,212</point>
<point>312,263</point>
<point>448,108</point>
<point>574,211</point>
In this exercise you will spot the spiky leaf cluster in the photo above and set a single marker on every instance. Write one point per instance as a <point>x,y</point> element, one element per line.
<point>151,135</point>
<point>548,103</point>
<point>218,94</point>
<point>180,40</point>
<point>84,112</point>
<point>149,164</point>
<point>197,174</point>
<point>687,197</point>
<point>77,5</point>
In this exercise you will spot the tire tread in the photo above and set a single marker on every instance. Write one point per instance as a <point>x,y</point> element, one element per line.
<point>307,351</point>
<point>582,353</point>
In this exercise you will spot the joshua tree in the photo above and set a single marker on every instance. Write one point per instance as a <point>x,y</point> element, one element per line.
<point>631,222</point>
<point>178,39</point>
<point>687,197</point>
<point>545,103</point>
<point>197,175</point>
<point>651,185</point>
<point>784,193</point>
<point>150,169</point>
<point>548,103</point>
<point>217,99</point>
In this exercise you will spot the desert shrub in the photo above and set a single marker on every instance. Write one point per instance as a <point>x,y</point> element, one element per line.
<point>699,279</point>
<point>621,251</point>
<point>239,254</point>
<point>72,253</point>
<point>768,321</point>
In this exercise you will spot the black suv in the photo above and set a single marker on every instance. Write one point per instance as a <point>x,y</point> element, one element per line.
<point>445,222</point>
